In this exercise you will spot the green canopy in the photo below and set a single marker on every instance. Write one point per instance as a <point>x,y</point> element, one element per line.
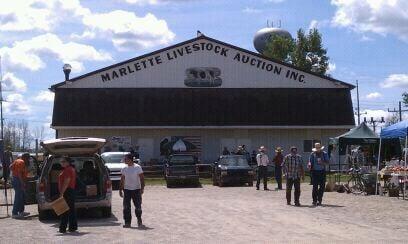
<point>360,135</point>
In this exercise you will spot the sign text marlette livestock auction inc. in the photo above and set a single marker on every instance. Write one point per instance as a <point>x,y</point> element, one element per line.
<point>176,53</point>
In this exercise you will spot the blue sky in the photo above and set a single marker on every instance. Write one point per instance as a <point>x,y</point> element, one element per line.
<point>366,41</point>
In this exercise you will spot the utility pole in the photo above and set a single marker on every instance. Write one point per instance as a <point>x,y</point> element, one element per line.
<point>358,104</point>
<point>374,122</point>
<point>400,110</point>
<point>1,103</point>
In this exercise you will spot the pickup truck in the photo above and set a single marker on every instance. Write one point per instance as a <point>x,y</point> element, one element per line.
<point>181,168</point>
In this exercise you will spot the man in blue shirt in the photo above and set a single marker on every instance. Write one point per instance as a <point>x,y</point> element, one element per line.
<point>317,164</point>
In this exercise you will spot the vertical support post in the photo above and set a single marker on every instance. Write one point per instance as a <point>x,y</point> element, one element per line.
<point>378,166</point>
<point>358,104</point>
<point>400,111</point>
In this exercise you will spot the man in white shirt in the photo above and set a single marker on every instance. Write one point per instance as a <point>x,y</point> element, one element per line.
<point>131,188</point>
<point>263,162</point>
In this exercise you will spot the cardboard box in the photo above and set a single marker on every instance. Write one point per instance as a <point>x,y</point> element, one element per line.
<point>54,176</point>
<point>60,206</point>
<point>91,190</point>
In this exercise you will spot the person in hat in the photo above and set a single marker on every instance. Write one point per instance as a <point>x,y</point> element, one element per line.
<point>262,161</point>
<point>318,161</point>
<point>66,187</point>
<point>293,169</point>
<point>278,160</point>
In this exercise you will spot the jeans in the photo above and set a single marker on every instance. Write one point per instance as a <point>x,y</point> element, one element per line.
<point>19,198</point>
<point>296,184</point>
<point>262,174</point>
<point>136,197</point>
<point>319,183</point>
<point>70,215</point>
<point>278,176</point>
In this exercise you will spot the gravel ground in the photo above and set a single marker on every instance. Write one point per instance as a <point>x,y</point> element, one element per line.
<point>231,214</point>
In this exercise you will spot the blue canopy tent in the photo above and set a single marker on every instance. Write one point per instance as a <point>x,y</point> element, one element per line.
<point>398,130</point>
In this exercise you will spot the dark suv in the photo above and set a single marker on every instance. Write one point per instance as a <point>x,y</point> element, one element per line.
<point>232,169</point>
<point>181,168</point>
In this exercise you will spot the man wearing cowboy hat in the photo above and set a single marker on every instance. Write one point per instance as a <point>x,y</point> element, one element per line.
<point>293,168</point>
<point>262,161</point>
<point>278,160</point>
<point>318,161</point>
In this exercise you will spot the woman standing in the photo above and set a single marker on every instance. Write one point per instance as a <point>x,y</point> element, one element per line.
<point>66,186</point>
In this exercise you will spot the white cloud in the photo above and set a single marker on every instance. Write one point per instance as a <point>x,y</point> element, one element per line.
<point>376,16</point>
<point>16,104</point>
<point>129,31</point>
<point>250,10</point>
<point>44,96</point>
<point>26,54</point>
<point>13,84</point>
<point>155,2</point>
<point>313,24</point>
<point>276,1</point>
<point>331,68</point>
<point>39,15</point>
<point>395,80</point>
<point>373,95</point>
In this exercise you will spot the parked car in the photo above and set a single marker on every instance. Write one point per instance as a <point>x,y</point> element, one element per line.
<point>181,168</point>
<point>232,169</point>
<point>114,162</point>
<point>94,188</point>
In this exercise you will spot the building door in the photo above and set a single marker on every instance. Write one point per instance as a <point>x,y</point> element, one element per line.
<point>145,149</point>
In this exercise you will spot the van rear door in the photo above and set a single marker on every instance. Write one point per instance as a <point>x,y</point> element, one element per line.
<point>73,145</point>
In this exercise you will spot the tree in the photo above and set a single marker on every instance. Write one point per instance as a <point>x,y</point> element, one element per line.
<point>392,119</point>
<point>305,52</point>
<point>280,48</point>
<point>405,98</point>
<point>316,56</point>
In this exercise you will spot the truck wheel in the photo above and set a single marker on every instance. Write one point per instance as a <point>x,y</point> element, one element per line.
<point>221,182</point>
<point>214,180</point>
<point>106,212</point>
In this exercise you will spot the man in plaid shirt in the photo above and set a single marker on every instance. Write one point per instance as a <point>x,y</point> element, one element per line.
<point>293,169</point>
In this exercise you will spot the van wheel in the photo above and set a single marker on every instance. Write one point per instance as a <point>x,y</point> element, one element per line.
<point>44,215</point>
<point>106,212</point>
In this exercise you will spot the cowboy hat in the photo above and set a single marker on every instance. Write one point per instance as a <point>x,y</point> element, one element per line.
<point>278,149</point>
<point>262,148</point>
<point>317,147</point>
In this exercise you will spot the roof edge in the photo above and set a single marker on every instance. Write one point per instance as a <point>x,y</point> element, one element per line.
<point>53,87</point>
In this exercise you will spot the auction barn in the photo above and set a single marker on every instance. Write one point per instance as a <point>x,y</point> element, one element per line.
<point>202,95</point>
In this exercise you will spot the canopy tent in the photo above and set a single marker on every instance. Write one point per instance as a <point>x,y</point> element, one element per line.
<point>398,130</point>
<point>360,135</point>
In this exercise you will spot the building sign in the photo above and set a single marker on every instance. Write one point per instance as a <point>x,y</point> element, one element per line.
<point>183,51</point>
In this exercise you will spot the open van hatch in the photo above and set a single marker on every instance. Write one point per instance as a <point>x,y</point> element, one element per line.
<point>73,145</point>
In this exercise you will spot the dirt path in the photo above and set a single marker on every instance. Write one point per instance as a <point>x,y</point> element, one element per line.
<point>232,214</point>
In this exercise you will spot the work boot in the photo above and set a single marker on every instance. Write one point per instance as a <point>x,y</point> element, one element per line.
<point>139,222</point>
<point>126,225</point>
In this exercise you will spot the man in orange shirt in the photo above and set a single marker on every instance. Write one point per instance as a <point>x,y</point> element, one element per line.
<point>18,180</point>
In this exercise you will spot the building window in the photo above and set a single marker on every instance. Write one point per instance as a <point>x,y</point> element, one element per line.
<point>309,144</point>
